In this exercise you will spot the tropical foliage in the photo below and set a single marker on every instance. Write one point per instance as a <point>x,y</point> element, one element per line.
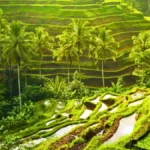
<point>17,48</point>
<point>80,35</point>
<point>41,41</point>
<point>140,54</point>
<point>65,49</point>
<point>103,46</point>
<point>28,114</point>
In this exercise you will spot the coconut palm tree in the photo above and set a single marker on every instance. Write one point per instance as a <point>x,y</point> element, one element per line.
<point>80,36</point>
<point>140,55</point>
<point>103,46</point>
<point>41,41</point>
<point>140,52</point>
<point>65,49</point>
<point>16,48</point>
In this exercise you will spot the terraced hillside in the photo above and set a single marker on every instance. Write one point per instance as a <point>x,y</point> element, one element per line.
<point>55,17</point>
<point>101,122</point>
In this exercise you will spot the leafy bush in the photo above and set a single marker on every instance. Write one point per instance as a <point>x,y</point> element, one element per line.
<point>17,117</point>
<point>4,104</point>
<point>55,87</point>
<point>77,87</point>
<point>10,141</point>
<point>34,93</point>
<point>118,87</point>
<point>143,77</point>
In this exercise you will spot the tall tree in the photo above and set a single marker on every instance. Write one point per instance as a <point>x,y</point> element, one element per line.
<point>16,48</point>
<point>80,35</point>
<point>65,49</point>
<point>41,41</point>
<point>140,53</point>
<point>103,46</point>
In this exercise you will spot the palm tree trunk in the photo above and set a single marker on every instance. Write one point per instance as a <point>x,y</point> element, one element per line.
<point>79,68</point>
<point>25,81</point>
<point>19,90</point>
<point>5,76</point>
<point>10,80</point>
<point>103,82</point>
<point>79,61</point>
<point>40,69</point>
<point>68,71</point>
<point>40,72</point>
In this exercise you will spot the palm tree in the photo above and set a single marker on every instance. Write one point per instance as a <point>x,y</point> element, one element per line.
<point>140,55</point>
<point>103,45</point>
<point>16,48</point>
<point>41,42</point>
<point>65,49</point>
<point>80,35</point>
<point>140,52</point>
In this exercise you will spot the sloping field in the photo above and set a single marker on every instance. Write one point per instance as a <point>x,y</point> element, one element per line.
<point>106,120</point>
<point>55,17</point>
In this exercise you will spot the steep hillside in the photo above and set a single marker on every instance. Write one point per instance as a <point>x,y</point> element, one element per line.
<point>55,17</point>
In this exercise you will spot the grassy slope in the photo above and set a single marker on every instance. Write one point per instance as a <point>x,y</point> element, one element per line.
<point>86,136</point>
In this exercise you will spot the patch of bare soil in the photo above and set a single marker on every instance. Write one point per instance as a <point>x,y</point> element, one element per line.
<point>111,131</point>
<point>66,139</point>
<point>78,146</point>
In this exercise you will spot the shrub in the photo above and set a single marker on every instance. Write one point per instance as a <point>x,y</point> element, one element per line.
<point>4,103</point>
<point>55,87</point>
<point>77,87</point>
<point>10,141</point>
<point>17,117</point>
<point>118,87</point>
<point>34,93</point>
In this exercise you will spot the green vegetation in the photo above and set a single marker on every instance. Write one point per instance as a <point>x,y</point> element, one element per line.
<point>16,48</point>
<point>41,41</point>
<point>52,95</point>
<point>102,45</point>
<point>118,17</point>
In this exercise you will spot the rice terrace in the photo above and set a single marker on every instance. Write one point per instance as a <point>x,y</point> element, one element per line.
<point>74,74</point>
